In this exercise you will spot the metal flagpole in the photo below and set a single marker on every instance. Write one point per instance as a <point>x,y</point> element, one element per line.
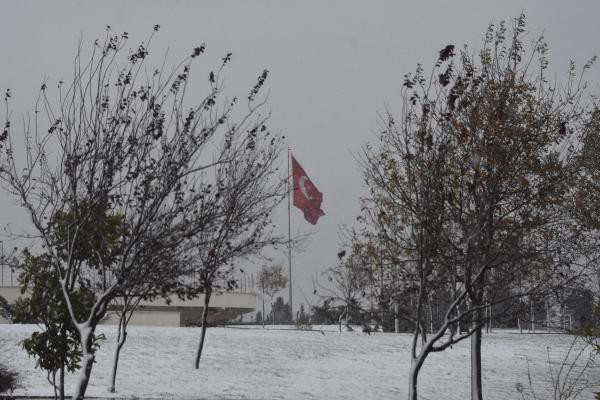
<point>290,237</point>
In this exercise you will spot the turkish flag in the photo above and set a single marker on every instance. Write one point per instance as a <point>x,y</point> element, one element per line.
<point>306,196</point>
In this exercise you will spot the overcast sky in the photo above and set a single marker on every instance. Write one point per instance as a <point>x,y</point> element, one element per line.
<point>334,65</point>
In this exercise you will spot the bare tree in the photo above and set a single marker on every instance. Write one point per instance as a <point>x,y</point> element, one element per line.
<point>346,285</point>
<point>512,135</point>
<point>586,197</point>
<point>271,279</point>
<point>569,376</point>
<point>163,280</point>
<point>119,143</point>
<point>470,188</point>
<point>243,197</point>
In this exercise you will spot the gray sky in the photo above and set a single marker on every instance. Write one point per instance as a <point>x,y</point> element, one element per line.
<point>334,65</point>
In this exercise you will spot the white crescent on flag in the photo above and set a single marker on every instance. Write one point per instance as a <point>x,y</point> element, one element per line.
<point>306,196</point>
<point>301,182</point>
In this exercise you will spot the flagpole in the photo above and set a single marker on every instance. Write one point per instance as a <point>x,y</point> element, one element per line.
<point>289,237</point>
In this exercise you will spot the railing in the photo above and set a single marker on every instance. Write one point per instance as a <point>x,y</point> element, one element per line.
<point>246,283</point>
<point>8,276</point>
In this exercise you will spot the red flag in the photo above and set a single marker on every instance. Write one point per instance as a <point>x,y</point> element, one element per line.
<point>306,196</point>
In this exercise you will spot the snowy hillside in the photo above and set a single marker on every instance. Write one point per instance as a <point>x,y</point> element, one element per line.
<point>284,364</point>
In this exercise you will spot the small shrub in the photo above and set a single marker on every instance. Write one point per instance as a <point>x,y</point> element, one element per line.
<point>6,310</point>
<point>8,380</point>
<point>570,377</point>
<point>303,326</point>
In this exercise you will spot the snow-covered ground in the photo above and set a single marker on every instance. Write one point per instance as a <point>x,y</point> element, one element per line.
<point>241,363</point>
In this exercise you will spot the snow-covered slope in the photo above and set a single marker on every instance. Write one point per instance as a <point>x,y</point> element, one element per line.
<point>287,364</point>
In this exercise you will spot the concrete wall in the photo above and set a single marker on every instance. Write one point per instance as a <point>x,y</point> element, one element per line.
<point>147,318</point>
<point>223,306</point>
<point>217,300</point>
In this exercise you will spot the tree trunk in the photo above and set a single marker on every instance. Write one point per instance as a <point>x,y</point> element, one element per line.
<point>204,325</point>
<point>429,303</point>
<point>382,317</point>
<point>346,317</point>
<point>87,362</point>
<point>396,319</point>
<point>458,326</point>
<point>547,316</point>
<point>487,321</point>
<point>61,383</point>
<point>341,318</point>
<point>121,337</point>
<point>53,383</point>
<point>476,382</point>
<point>263,316</point>
<point>532,312</point>
<point>413,376</point>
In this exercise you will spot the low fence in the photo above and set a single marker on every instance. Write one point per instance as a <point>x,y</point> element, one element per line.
<point>9,276</point>
<point>246,283</point>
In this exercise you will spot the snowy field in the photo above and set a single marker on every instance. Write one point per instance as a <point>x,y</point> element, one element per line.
<point>287,364</point>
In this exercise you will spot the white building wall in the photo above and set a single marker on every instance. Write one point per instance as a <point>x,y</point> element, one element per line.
<point>11,294</point>
<point>168,315</point>
<point>147,318</point>
<point>217,300</point>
